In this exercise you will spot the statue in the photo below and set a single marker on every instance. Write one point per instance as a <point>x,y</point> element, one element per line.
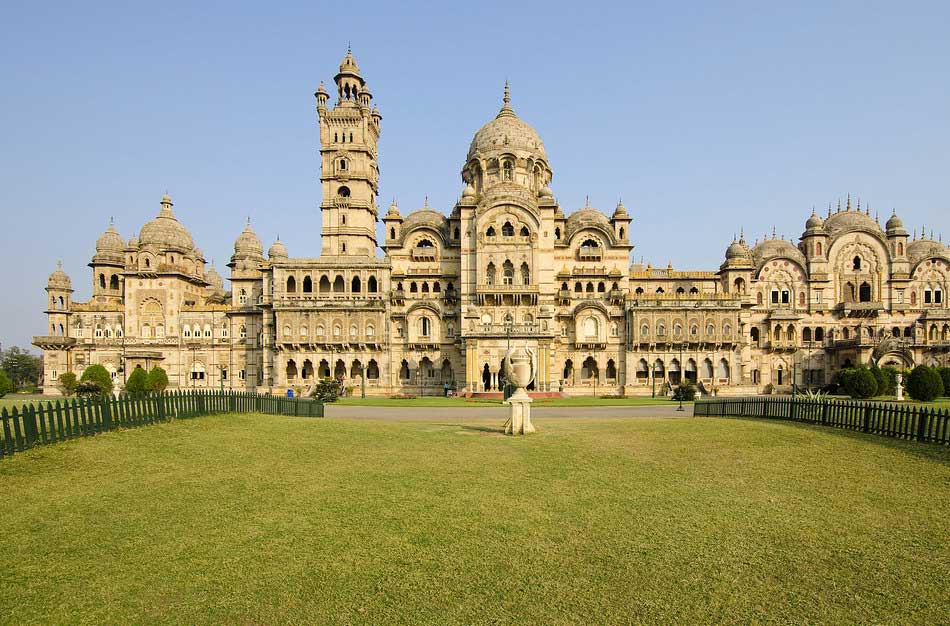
<point>520,371</point>
<point>899,389</point>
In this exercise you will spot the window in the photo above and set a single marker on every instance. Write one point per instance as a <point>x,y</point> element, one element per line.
<point>291,285</point>
<point>207,330</point>
<point>449,330</point>
<point>557,234</point>
<point>102,281</point>
<point>507,170</point>
<point>424,326</point>
<point>243,332</point>
<point>927,297</point>
<point>242,297</point>
<point>774,296</point>
<point>524,232</point>
<point>356,285</point>
<point>591,328</point>
<point>287,331</point>
<point>307,284</point>
<point>304,331</point>
<point>490,232</point>
<point>864,292</point>
<point>525,274</point>
<point>371,285</point>
<point>508,269</point>
<point>786,297</point>
<point>114,283</point>
<point>508,230</point>
<point>856,263</point>
<point>343,192</point>
<point>186,331</point>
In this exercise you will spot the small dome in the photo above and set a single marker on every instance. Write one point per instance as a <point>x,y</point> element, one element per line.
<point>894,222</point>
<point>215,282</point>
<point>469,191</point>
<point>775,248</point>
<point>277,250</point>
<point>737,250</point>
<point>199,254</point>
<point>393,210</point>
<point>348,65</point>
<point>322,90</point>
<point>546,192</point>
<point>621,211</point>
<point>248,243</point>
<point>813,222</point>
<point>59,279</point>
<point>165,231</point>
<point>110,241</point>
<point>133,242</point>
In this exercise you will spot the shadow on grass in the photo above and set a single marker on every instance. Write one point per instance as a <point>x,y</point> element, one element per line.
<point>929,451</point>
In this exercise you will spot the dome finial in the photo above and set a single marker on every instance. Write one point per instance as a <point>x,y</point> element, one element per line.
<point>848,207</point>
<point>507,97</point>
<point>506,110</point>
<point>59,264</point>
<point>774,234</point>
<point>587,201</point>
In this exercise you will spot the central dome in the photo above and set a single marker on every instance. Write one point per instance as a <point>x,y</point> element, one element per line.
<point>507,133</point>
<point>165,231</point>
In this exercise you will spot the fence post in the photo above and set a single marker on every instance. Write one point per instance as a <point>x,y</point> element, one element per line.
<point>922,423</point>
<point>867,418</point>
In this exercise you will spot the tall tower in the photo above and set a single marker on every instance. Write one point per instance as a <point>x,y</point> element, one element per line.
<point>349,136</point>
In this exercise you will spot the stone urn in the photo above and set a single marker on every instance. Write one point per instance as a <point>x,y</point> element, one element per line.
<point>520,370</point>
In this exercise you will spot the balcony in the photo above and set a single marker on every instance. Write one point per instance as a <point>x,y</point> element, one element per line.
<point>589,253</point>
<point>524,330</point>
<point>424,253</point>
<point>53,342</point>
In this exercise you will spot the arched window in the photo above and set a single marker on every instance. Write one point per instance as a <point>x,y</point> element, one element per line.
<point>287,331</point>
<point>801,298</point>
<point>342,165</point>
<point>291,369</point>
<point>557,233</point>
<point>900,249</point>
<point>806,334</point>
<point>644,330</point>
<point>356,286</point>
<point>754,334</point>
<point>490,232</point>
<point>392,232</point>
<point>660,290</point>
<point>291,285</point>
<point>404,370</point>
<point>371,285</point>
<point>243,332</point>
<point>343,191</point>
<point>507,170</point>
<point>307,284</point>
<point>758,298</point>
<point>102,281</point>
<point>706,369</point>
<point>324,284</point>
<point>337,330</point>
<point>424,326</point>
<point>578,288</point>
<point>601,287</point>
<point>856,263</point>
<point>589,288</point>
<point>508,230</point>
<point>524,232</point>
<point>525,274</point>
<point>490,274</point>
<point>643,370</point>
<point>455,233</point>
<point>339,286</point>
<point>722,370</point>
<point>591,327</point>
<point>508,270</point>
<point>425,287</point>
<point>372,370</point>
<point>185,330</point>
<point>114,282</point>
<point>242,296</point>
<point>864,292</point>
<point>568,370</point>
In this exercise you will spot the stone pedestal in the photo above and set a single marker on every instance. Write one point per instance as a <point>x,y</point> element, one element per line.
<point>519,420</point>
<point>900,389</point>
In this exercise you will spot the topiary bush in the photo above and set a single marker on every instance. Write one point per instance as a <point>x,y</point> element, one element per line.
<point>945,376</point>
<point>6,385</point>
<point>67,383</point>
<point>924,384</point>
<point>858,382</point>
<point>137,384</point>
<point>880,378</point>
<point>157,380</point>
<point>327,390</point>
<point>98,375</point>
<point>890,381</point>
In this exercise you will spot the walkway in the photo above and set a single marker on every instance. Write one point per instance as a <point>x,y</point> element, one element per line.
<point>501,412</point>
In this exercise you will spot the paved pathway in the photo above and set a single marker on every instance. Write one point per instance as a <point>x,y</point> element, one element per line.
<point>501,412</point>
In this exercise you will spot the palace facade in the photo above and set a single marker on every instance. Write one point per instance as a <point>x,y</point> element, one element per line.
<point>506,266</point>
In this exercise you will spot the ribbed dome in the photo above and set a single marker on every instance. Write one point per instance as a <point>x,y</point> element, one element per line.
<point>507,133</point>
<point>59,279</point>
<point>585,218</point>
<point>737,250</point>
<point>277,250</point>
<point>621,211</point>
<point>165,231</point>
<point>813,222</point>
<point>850,220</point>
<point>921,249</point>
<point>248,243</point>
<point>349,63</point>
<point>110,241</point>
<point>468,192</point>
<point>894,222</point>
<point>774,248</point>
<point>393,210</point>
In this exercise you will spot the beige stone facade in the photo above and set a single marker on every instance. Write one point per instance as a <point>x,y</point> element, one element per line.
<point>505,266</point>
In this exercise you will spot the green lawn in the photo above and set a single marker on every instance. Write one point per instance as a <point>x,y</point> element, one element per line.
<point>450,402</point>
<point>273,520</point>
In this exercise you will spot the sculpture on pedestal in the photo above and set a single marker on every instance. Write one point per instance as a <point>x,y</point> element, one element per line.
<point>899,389</point>
<point>520,371</point>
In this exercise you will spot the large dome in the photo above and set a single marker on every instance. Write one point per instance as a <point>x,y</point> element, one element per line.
<point>165,231</point>
<point>776,248</point>
<point>507,133</point>
<point>849,220</point>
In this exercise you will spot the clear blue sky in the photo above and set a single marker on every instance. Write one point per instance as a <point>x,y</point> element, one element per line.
<point>703,116</point>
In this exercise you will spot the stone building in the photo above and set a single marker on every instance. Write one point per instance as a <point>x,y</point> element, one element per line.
<point>506,265</point>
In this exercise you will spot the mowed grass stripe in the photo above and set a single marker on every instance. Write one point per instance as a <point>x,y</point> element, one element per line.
<point>256,519</point>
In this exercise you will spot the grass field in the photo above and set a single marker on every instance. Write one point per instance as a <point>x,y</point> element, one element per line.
<point>272,520</point>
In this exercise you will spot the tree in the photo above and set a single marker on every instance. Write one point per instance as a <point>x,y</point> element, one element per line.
<point>137,384</point>
<point>945,375</point>
<point>67,383</point>
<point>328,390</point>
<point>924,384</point>
<point>157,380</point>
<point>98,375</point>
<point>685,392</point>
<point>880,378</point>
<point>858,382</point>
<point>890,378</point>
<point>21,366</point>
<point>6,385</point>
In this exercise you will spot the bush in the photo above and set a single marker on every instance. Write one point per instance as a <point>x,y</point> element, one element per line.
<point>924,384</point>
<point>945,376</point>
<point>137,384</point>
<point>67,383</point>
<point>327,390</point>
<point>890,381</point>
<point>858,382</point>
<point>6,385</point>
<point>98,375</point>
<point>685,392</point>
<point>88,388</point>
<point>157,380</point>
<point>880,378</point>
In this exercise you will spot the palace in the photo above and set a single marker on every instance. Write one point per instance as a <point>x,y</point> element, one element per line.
<point>505,267</point>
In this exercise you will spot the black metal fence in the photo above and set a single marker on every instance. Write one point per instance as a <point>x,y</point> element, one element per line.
<point>59,420</point>
<point>888,419</point>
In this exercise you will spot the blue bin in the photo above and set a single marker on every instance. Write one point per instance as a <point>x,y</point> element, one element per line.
<point>290,393</point>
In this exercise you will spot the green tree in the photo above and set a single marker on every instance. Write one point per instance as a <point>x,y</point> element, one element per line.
<point>137,384</point>
<point>685,392</point>
<point>890,381</point>
<point>98,375</point>
<point>67,383</point>
<point>328,390</point>
<point>880,378</point>
<point>858,382</point>
<point>157,379</point>
<point>6,385</point>
<point>945,376</point>
<point>21,366</point>
<point>924,384</point>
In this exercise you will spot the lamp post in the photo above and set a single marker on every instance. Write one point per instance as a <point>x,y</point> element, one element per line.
<point>653,377</point>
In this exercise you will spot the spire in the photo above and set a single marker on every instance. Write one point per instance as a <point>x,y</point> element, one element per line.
<point>166,206</point>
<point>774,235</point>
<point>59,265</point>
<point>829,209</point>
<point>587,201</point>
<point>506,110</point>
<point>848,207</point>
<point>839,206</point>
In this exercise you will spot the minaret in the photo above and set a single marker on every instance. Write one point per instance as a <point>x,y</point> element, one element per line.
<point>349,135</point>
